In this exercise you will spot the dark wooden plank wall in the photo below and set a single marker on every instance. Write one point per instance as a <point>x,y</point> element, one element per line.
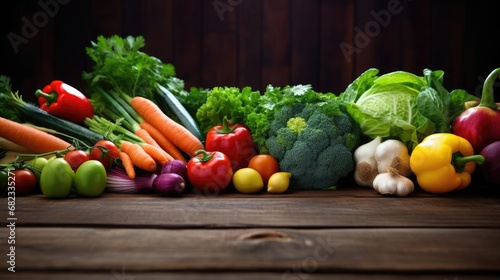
<point>260,42</point>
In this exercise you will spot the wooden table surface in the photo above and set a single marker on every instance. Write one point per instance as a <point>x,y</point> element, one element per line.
<point>348,233</point>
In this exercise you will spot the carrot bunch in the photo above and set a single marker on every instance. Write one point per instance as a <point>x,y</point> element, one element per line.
<point>171,130</point>
<point>146,136</point>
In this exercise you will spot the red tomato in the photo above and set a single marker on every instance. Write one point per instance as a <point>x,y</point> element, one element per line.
<point>25,181</point>
<point>209,172</point>
<point>75,158</point>
<point>104,151</point>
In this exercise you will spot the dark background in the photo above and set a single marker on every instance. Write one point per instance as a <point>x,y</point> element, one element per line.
<point>257,42</point>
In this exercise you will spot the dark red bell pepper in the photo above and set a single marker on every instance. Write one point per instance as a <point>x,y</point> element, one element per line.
<point>209,172</point>
<point>235,141</point>
<point>480,125</point>
<point>64,101</point>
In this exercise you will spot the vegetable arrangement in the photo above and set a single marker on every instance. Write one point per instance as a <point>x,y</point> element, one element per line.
<point>137,130</point>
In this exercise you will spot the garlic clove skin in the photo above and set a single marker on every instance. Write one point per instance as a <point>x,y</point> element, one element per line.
<point>391,183</point>
<point>367,150</point>
<point>365,173</point>
<point>393,154</point>
<point>366,165</point>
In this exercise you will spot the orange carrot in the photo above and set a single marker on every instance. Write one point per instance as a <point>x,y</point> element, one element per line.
<point>139,157</point>
<point>158,154</point>
<point>127,164</point>
<point>164,143</point>
<point>31,138</point>
<point>175,132</point>
<point>144,135</point>
<point>11,146</point>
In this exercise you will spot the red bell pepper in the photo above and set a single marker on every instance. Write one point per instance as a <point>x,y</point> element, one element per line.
<point>235,141</point>
<point>64,101</point>
<point>209,172</point>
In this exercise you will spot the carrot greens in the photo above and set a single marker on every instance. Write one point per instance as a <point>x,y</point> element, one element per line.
<point>123,71</point>
<point>120,65</point>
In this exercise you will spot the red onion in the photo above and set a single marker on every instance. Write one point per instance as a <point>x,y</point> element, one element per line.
<point>175,166</point>
<point>118,181</point>
<point>169,184</point>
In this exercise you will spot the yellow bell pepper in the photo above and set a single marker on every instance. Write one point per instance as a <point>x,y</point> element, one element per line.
<point>444,162</point>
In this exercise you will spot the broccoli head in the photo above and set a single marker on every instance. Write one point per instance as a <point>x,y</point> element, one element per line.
<point>314,142</point>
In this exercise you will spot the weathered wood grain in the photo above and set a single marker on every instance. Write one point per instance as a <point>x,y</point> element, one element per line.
<point>343,208</point>
<point>305,29</point>
<point>336,67</point>
<point>454,37</point>
<point>284,251</point>
<point>155,21</point>
<point>187,38</point>
<point>125,275</point>
<point>276,43</point>
<point>249,43</point>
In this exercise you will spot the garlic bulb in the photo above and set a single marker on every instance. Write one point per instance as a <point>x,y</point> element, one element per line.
<point>365,162</point>
<point>393,154</point>
<point>392,183</point>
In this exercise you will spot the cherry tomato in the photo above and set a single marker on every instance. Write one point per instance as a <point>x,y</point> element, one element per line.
<point>25,181</point>
<point>75,158</point>
<point>265,164</point>
<point>104,151</point>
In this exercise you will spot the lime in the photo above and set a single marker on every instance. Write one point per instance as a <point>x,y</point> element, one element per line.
<point>247,180</point>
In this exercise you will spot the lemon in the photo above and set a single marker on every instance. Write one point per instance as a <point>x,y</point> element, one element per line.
<point>247,180</point>
<point>279,182</point>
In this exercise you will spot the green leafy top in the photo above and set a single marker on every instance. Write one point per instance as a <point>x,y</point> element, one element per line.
<point>120,65</point>
<point>9,101</point>
<point>227,102</point>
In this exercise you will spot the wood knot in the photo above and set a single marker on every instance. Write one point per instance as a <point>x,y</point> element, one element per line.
<point>265,235</point>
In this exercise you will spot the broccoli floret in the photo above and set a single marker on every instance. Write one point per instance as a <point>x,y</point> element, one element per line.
<point>306,111</point>
<point>286,137</point>
<point>296,124</point>
<point>280,119</point>
<point>336,161</point>
<point>323,122</point>
<point>285,113</point>
<point>352,139</point>
<point>274,147</point>
<point>344,123</point>
<point>317,139</point>
<point>294,160</point>
<point>315,143</point>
